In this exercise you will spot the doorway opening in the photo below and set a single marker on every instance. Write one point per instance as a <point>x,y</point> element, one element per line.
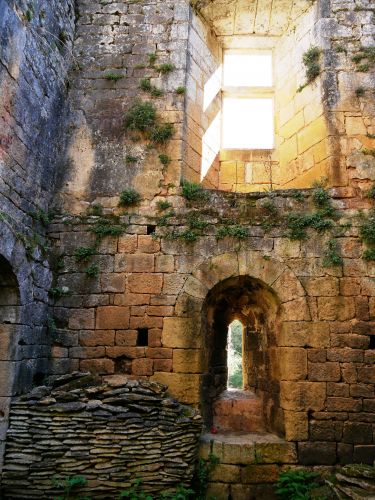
<point>240,318</point>
<point>9,319</point>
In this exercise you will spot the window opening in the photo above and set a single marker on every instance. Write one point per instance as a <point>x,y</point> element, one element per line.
<point>235,355</point>
<point>248,104</point>
<point>372,342</point>
<point>151,229</point>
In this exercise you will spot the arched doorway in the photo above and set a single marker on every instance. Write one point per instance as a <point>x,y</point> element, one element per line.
<point>9,319</point>
<point>255,305</point>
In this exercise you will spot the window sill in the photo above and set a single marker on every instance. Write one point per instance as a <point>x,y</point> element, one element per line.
<point>246,154</point>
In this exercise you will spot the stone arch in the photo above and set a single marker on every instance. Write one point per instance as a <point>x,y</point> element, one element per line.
<point>287,303</point>
<point>273,272</point>
<point>22,320</point>
<point>9,324</point>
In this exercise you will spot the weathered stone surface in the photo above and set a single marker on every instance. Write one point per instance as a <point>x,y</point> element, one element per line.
<point>180,333</point>
<point>300,396</point>
<point>183,387</point>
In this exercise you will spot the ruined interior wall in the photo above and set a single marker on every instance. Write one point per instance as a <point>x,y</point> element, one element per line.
<point>117,39</point>
<point>35,46</point>
<point>324,350</point>
<point>112,434</point>
<point>203,104</point>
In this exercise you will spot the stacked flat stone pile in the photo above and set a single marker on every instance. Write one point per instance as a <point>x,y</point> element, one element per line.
<point>355,482</point>
<point>111,433</point>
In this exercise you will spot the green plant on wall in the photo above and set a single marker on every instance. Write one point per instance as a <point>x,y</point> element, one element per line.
<point>142,117</point>
<point>202,473</point>
<point>69,485</point>
<point>364,59</point>
<point>332,255</point>
<point>193,191</point>
<point>165,68</point>
<point>129,197</point>
<point>367,234</point>
<point>312,65</point>
<point>113,77</point>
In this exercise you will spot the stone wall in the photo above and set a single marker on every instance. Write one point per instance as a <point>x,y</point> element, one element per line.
<point>320,346</point>
<point>35,54</point>
<point>113,45</point>
<point>111,433</point>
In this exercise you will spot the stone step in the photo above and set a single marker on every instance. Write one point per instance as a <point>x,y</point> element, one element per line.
<point>247,464</point>
<point>238,411</point>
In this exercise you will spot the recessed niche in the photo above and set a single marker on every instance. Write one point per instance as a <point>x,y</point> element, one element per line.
<point>142,338</point>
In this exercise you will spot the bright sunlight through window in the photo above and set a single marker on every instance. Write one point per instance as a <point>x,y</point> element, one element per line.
<point>248,114</point>
<point>247,70</point>
<point>247,123</point>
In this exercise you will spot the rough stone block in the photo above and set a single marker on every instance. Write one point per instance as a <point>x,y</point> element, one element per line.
<point>140,263</point>
<point>296,426</point>
<point>323,287</point>
<point>367,374</point>
<point>173,283</point>
<point>142,367</point>
<point>97,338</point>
<point>302,395</point>
<point>187,361</point>
<point>145,283</point>
<point>164,263</point>
<point>219,491</point>
<point>358,433</point>
<point>328,372</point>
<point>81,319</point>
<point>258,474</point>
<point>127,243</point>
<point>126,338</point>
<point>364,454</point>
<point>234,453</point>
<point>345,453</point>
<point>184,387</point>
<point>338,390</point>
<point>293,363</point>
<point>275,453</point>
<point>344,404</point>
<point>224,473</point>
<point>114,282</point>
<point>148,244</point>
<point>336,308</point>
<point>162,365</point>
<point>329,431</point>
<point>112,318</point>
<point>160,310</point>
<point>318,453</point>
<point>180,333</point>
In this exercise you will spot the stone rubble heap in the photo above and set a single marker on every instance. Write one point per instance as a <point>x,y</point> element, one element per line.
<point>354,481</point>
<point>111,433</point>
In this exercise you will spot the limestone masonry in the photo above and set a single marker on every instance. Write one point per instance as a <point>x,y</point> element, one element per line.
<point>130,240</point>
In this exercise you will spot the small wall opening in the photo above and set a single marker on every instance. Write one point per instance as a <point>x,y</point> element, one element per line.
<point>240,321</point>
